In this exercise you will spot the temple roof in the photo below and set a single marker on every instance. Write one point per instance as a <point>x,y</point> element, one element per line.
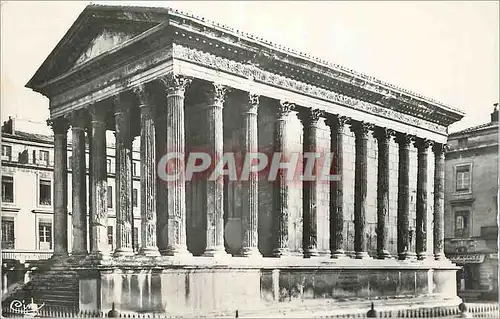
<point>122,24</point>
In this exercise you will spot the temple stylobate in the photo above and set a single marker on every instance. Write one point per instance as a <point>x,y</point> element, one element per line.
<point>180,84</point>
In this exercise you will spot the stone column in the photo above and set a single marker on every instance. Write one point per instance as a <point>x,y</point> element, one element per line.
<point>281,202</point>
<point>421,239</point>
<point>161,186</point>
<point>79,181</point>
<point>310,194</point>
<point>99,184</point>
<point>337,244</point>
<point>404,253</point>
<point>215,188</point>
<point>439,150</point>
<point>250,191</point>
<point>60,127</point>
<point>148,172</point>
<point>176,189</point>
<point>123,151</point>
<point>361,130</point>
<point>88,130</point>
<point>383,136</point>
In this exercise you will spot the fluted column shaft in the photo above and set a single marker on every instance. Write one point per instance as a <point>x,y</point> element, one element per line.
<point>404,252</point>
<point>123,149</point>
<point>421,222</point>
<point>88,131</point>
<point>176,188</point>
<point>99,184</point>
<point>310,189</point>
<point>60,127</point>
<point>383,136</point>
<point>78,182</point>
<point>439,150</point>
<point>336,187</point>
<point>148,172</point>
<point>361,130</point>
<point>281,203</point>
<point>161,186</point>
<point>215,188</point>
<point>250,190</point>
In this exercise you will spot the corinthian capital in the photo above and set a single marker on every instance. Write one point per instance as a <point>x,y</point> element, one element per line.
<point>143,95</point>
<point>253,103</point>
<point>284,108</point>
<point>175,83</point>
<point>440,149</point>
<point>383,134</point>
<point>310,117</point>
<point>59,125</point>
<point>337,122</point>
<point>423,144</point>
<point>404,139</point>
<point>361,129</point>
<point>216,94</point>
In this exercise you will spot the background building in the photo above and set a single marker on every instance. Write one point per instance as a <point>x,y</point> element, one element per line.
<point>471,207</point>
<point>27,200</point>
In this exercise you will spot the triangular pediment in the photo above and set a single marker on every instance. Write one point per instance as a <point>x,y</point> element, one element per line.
<point>105,41</point>
<point>97,31</point>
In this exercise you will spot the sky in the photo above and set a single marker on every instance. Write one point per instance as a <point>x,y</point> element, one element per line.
<point>448,50</point>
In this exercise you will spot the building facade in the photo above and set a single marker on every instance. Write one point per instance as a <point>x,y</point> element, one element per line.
<point>471,206</point>
<point>28,195</point>
<point>179,83</point>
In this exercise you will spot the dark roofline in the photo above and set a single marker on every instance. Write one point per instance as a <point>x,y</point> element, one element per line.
<point>477,128</point>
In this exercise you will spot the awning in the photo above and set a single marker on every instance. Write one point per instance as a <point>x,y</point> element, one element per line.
<point>467,258</point>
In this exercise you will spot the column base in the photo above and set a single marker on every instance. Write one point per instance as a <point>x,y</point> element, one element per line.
<point>250,252</point>
<point>384,254</point>
<point>311,252</point>
<point>362,255</point>
<point>439,256</point>
<point>123,252</point>
<point>339,254</point>
<point>424,256</point>
<point>177,251</point>
<point>407,255</point>
<point>149,251</point>
<point>281,252</point>
<point>216,252</point>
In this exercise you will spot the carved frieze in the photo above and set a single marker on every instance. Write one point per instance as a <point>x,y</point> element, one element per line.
<point>259,75</point>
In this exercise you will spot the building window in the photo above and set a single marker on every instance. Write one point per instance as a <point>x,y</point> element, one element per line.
<point>33,159</point>
<point>6,152</point>
<point>110,235</point>
<point>45,234</point>
<point>7,189</point>
<point>134,197</point>
<point>134,169</point>
<point>135,239</point>
<point>463,178</point>
<point>108,165</point>
<point>462,223</point>
<point>110,197</point>
<point>45,192</point>
<point>462,142</point>
<point>8,233</point>
<point>44,157</point>
<point>69,161</point>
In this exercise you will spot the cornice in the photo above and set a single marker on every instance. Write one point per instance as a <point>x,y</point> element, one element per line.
<point>250,71</point>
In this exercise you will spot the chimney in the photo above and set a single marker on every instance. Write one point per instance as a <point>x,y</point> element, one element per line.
<point>9,126</point>
<point>494,115</point>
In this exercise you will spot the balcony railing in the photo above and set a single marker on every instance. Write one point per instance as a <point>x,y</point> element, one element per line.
<point>25,255</point>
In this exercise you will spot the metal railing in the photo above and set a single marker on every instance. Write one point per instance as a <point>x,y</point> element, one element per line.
<point>26,255</point>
